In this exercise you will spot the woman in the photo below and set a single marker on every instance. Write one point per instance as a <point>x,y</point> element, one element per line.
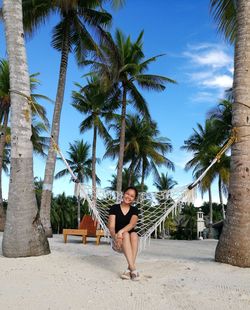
<point>122,221</point>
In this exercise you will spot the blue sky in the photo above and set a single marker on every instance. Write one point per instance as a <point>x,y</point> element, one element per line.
<point>196,57</point>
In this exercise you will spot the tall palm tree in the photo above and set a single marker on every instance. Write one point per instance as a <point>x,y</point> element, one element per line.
<point>5,103</point>
<point>164,182</point>
<point>234,244</point>
<point>122,64</point>
<point>144,149</point>
<point>81,165</point>
<point>23,234</point>
<point>79,161</point>
<point>98,106</point>
<point>4,115</point>
<point>222,124</point>
<point>71,34</point>
<point>204,151</point>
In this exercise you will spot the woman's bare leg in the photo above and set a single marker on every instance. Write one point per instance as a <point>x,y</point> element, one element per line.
<point>127,249</point>
<point>134,245</point>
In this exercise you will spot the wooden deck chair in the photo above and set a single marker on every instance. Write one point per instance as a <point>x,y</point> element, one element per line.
<point>87,228</point>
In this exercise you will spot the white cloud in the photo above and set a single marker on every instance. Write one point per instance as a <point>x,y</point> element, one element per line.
<point>220,81</point>
<point>210,69</point>
<point>213,58</point>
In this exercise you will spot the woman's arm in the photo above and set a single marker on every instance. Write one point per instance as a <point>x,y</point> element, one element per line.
<point>111,225</point>
<point>130,226</point>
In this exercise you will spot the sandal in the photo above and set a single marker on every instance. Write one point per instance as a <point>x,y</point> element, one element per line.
<point>135,275</point>
<point>126,275</point>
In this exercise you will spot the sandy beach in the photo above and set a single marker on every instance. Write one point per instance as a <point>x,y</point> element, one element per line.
<point>174,275</point>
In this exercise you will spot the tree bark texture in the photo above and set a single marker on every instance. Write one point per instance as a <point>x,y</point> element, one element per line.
<point>23,234</point>
<point>2,146</point>
<point>94,164</point>
<point>234,244</point>
<point>122,141</point>
<point>51,159</point>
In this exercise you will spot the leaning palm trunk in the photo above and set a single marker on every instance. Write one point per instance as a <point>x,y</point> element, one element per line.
<point>2,145</point>
<point>131,171</point>
<point>51,160</point>
<point>94,164</point>
<point>142,177</point>
<point>210,228</point>
<point>23,234</point>
<point>221,198</point>
<point>234,244</point>
<point>122,141</point>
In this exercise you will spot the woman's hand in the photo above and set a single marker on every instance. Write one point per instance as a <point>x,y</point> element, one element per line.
<point>119,235</point>
<point>118,241</point>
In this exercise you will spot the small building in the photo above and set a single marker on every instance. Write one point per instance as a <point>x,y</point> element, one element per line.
<point>200,224</point>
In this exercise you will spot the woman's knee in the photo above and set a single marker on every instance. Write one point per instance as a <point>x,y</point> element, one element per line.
<point>133,236</point>
<point>125,235</point>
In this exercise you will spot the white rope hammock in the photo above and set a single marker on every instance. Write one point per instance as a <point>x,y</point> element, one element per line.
<point>153,207</point>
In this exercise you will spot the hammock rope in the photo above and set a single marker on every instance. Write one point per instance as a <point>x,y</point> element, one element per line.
<point>154,207</point>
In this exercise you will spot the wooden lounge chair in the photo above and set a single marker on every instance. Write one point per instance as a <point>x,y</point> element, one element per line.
<point>87,228</point>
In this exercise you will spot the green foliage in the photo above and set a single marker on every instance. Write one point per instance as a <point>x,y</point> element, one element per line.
<point>186,223</point>
<point>224,13</point>
<point>126,178</point>
<point>217,211</point>
<point>79,162</point>
<point>64,212</point>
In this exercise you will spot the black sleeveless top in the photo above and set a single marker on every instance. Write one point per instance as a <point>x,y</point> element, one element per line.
<point>122,220</point>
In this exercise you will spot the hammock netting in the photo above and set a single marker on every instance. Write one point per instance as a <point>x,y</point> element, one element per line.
<point>154,207</point>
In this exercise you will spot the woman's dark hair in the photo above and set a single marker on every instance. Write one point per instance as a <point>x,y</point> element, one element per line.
<point>133,188</point>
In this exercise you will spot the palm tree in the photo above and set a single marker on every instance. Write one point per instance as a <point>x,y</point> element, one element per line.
<point>127,180</point>
<point>164,182</point>
<point>69,35</point>
<point>144,149</point>
<point>98,107</point>
<point>63,213</point>
<point>189,214</point>
<point>204,151</point>
<point>4,114</point>
<point>79,162</point>
<point>152,151</point>
<point>234,244</point>
<point>23,235</point>
<point>81,165</point>
<point>222,124</point>
<point>39,143</point>
<point>122,64</point>
<point>221,116</point>
<point>224,13</point>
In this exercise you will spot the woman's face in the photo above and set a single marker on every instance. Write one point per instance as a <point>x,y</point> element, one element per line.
<point>129,196</point>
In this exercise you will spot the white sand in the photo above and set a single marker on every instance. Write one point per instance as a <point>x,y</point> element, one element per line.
<point>175,275</point>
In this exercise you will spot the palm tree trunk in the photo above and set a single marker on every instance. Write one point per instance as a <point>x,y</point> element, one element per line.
<point>210,228</point>
<point>94,165</point>
<point>221,198</point>
<point>131,171</point>
<point>142,177</point>
<point>2,146</point>
<point>51,159</point>
<point>78,211</point>
<point>122,141</point>
<point>234,244</point>
<point>23,235</point>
